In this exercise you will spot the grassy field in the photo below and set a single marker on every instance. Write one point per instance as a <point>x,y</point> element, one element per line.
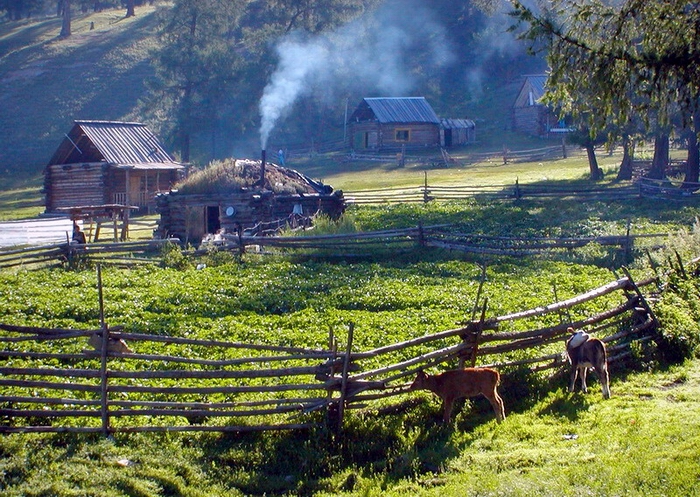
<point>644,441</point>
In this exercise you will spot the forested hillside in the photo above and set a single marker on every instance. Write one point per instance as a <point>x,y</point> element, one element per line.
<point>197,74</point>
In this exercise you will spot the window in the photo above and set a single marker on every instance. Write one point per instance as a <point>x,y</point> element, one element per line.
<point>403,135</point>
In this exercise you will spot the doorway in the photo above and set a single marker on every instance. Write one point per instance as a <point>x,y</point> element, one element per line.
<point>213,219</point>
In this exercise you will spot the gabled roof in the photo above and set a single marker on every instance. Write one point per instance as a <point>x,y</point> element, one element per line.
<point>395,110</point>
<point>531,91</point>
<point>122,144</point>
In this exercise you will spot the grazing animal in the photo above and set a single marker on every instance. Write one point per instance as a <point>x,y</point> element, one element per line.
<point>459,383</point>
<point>586,352</point>
<point>114,345</point>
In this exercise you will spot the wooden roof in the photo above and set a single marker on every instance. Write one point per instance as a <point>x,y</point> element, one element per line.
<point>122,144</point>
<point>395,110</point>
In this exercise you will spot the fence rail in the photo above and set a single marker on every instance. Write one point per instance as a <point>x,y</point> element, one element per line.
<point>340,245</point>
<point>54,381</point>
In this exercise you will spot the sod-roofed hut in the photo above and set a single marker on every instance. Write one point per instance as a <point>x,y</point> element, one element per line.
<point>108,162</point>
<point>229,195</point>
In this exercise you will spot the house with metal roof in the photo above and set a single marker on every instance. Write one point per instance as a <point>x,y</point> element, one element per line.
<point>399,122</point>
<point>108,163</point>
<point>529,114</point>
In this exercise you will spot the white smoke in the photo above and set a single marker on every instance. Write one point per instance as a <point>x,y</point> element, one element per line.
<point>368,54</point>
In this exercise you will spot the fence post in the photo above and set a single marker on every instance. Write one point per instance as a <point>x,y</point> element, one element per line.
<point>518,194</point>
<point>479,331</point>
<point>426,192</point>
<point>344,378</point>
<point>640,295</point>
<point>104,409</point>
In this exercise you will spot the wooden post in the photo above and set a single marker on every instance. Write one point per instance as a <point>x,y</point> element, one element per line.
<point>642,300</point>
<point>104,408</point>
<point>421,235</point>
<point>518,194</point>
<point>628,244</point>
<point>475,336</point>
<point>479,331</point>
<point>426,192</point>
<point>344,378</point>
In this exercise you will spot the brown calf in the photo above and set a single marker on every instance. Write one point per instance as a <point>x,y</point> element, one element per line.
<point>459,383</point>
<point>589,353</point>
<point>114,345</point>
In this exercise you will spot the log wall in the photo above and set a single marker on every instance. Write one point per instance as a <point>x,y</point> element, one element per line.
<point>184,216</point>
<point>384,135</point>
<point>69,185</point>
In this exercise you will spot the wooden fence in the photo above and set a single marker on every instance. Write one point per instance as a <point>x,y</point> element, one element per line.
<point>643,187</point>
<point>347,245</point>
<point>59,380</point>
<point>66,253</point>
<point>427,193</point>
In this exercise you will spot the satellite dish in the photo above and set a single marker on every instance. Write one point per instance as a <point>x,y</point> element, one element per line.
<point>230,211</point>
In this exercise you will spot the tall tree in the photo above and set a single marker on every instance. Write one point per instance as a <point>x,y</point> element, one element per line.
<point>130,8</point>
<point>197,56</point>
<point>66,17</point>
<point>644,47</point>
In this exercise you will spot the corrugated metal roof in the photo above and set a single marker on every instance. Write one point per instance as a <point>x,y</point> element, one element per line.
<point>537,83</point>
<point>449,123</point>
<point>402,110</point>
<point>125,143</point>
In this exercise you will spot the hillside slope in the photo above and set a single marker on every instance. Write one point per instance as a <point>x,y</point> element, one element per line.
<point>47,82</point>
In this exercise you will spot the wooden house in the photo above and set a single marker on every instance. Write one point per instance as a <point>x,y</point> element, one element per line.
<point>404,122</point>
<point>530,115</point>
<point>229,196</point>
<point>455,132</point>
<point>106,162</point>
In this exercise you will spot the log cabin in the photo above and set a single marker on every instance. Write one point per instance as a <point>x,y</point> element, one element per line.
<point>230,195</point>
<point>108,162</point>
<point>404,122</point>
<point>530,115</point>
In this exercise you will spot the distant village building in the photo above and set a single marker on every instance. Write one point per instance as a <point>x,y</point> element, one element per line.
<point>107,162</point>
<point>410,122</point>
<point>530,115</point>
<point>229,196</point>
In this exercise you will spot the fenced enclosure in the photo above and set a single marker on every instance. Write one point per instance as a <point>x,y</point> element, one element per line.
<point>643,187</point>
<point>106,380</point>
<point>347,245</point>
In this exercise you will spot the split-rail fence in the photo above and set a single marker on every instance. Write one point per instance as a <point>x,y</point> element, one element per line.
<point>345,245</point>
<point>66,380</point>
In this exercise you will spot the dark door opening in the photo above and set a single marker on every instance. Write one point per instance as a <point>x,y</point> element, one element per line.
<point>448,137</point>
<point>213,219</point>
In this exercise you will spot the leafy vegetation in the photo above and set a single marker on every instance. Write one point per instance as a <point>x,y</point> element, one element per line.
<point>553,443</point>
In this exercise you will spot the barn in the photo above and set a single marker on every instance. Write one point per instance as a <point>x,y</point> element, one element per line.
<point>530,116</point>
<point>230,195</point>
<point>108,162</point>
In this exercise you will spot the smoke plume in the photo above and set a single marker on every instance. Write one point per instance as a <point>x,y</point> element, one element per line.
<point>368,54</point>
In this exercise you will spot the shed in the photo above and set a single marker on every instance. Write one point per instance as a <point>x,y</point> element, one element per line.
<point>530,115</point>
<point>396,122</point>
<point>228,196</point>
<point>454,132</point>
<point>108,162</point>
